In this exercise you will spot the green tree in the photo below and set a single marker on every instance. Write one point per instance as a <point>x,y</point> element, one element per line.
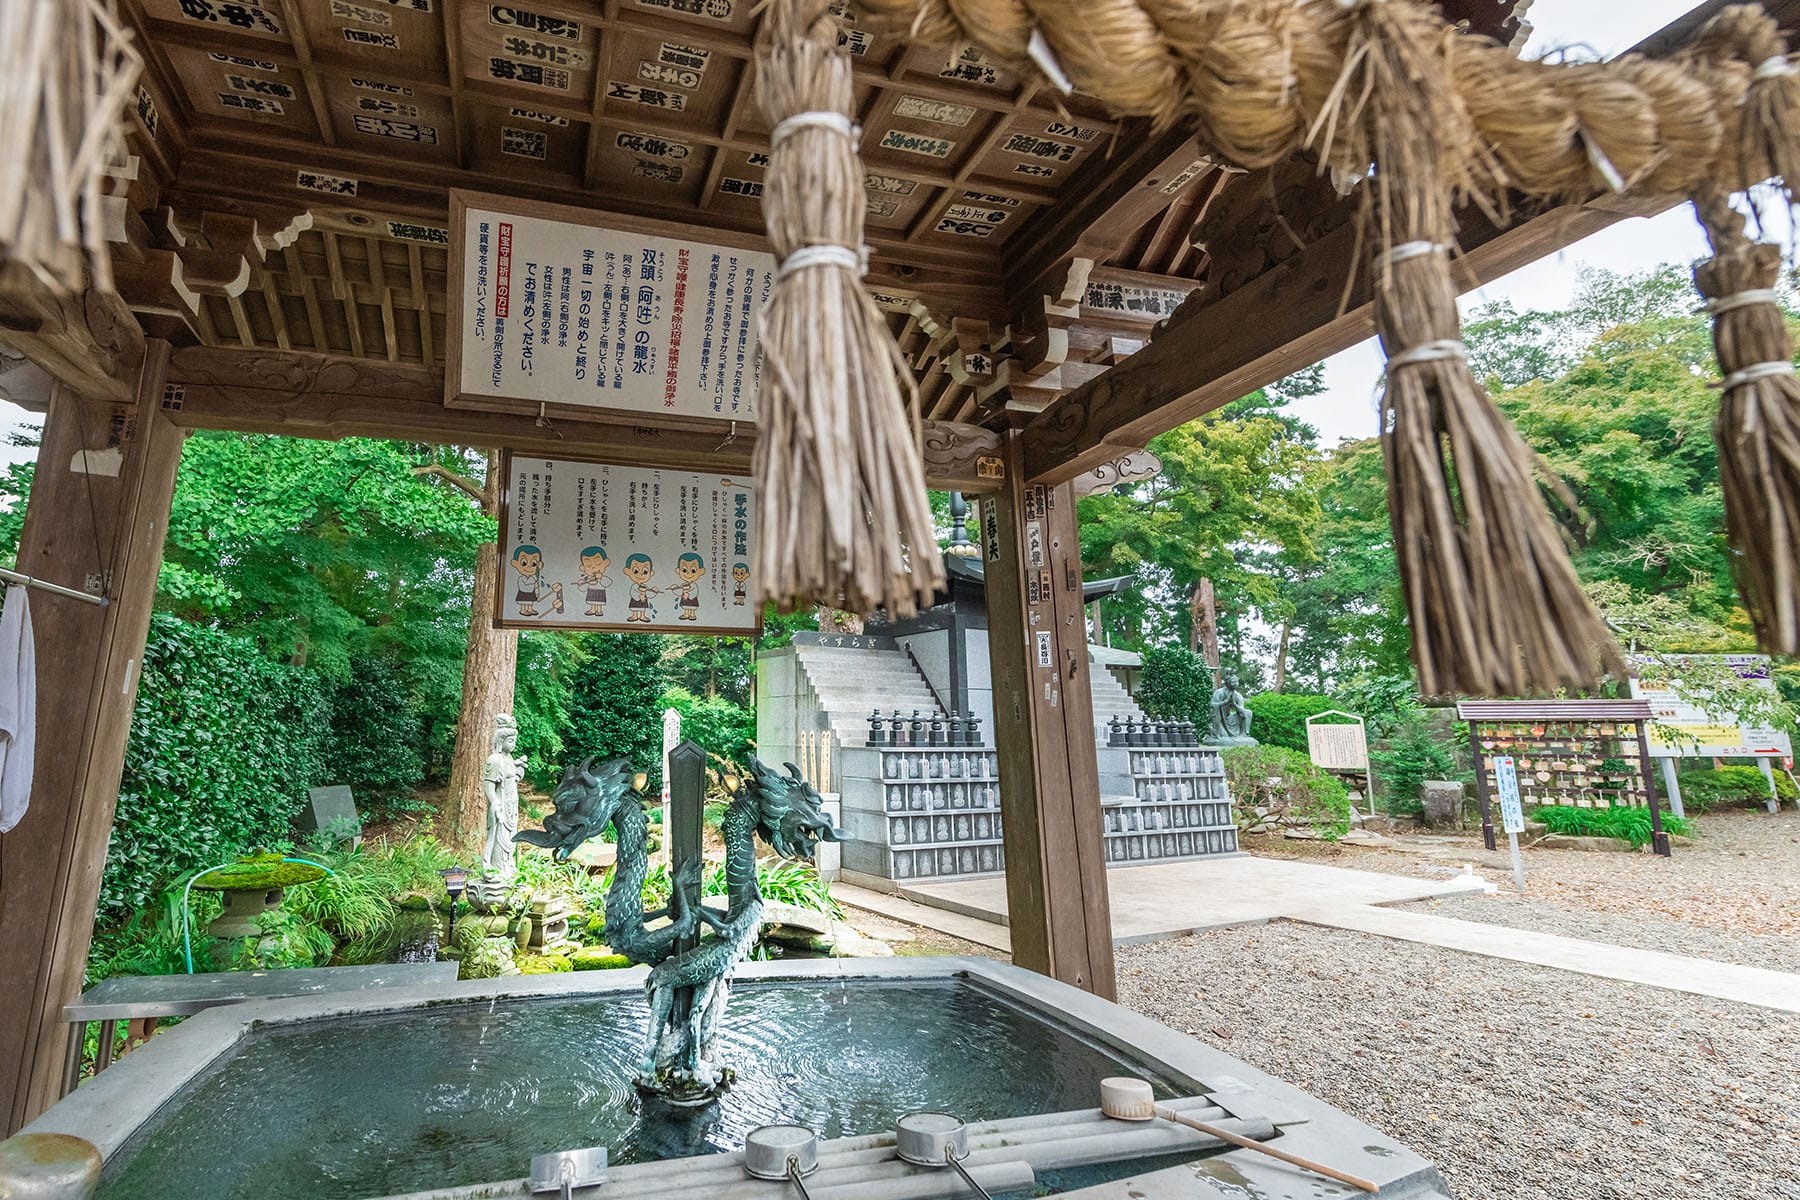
<point>1612,395</point>
<point>322,551</point>
<point>1176,684</point>
<point>615,701</point>
<point>1230,482</point>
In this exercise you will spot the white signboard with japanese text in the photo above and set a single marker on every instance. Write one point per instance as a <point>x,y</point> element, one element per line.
<point>1688,731</point>
<point>547,307</point>
<point>586,545</point>
<point>1506,783</point>
<point>1337,747</point>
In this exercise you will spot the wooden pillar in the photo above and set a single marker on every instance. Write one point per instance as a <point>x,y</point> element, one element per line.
<point>96,517</point>
<point>1057,907</point>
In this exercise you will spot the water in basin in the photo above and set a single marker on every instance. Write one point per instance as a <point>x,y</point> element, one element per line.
<point>467,1093</point>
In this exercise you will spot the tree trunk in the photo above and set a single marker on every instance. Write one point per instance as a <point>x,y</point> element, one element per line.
<point>488,676</point>
<point>1281,657</point>
<point>1204,636</point>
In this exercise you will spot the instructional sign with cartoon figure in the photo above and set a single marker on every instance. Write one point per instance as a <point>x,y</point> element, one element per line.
<point>587,545</point>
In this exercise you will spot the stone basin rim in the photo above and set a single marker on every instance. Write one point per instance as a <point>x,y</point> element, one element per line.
<point>109,1109</point>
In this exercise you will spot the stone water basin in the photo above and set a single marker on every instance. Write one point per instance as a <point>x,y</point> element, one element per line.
<point>451,1089</point>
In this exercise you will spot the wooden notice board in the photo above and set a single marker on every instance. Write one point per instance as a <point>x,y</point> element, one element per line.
<point>592,545</point>
<point>602,316</point>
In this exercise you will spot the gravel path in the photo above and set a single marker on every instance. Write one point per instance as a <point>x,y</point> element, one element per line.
<point>1520,1082</point>
<point>1740,879</point>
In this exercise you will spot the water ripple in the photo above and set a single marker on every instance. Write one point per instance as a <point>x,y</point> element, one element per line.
<point>468,1093</point>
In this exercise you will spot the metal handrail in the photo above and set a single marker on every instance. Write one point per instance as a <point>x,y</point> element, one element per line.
<point>929,686</point>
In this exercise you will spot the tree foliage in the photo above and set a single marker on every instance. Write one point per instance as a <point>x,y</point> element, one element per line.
<point>615,701</point>
<point>1176,685</point>
<point>1279,718</point>
<point>1229,481</point>
<point>224,744</point>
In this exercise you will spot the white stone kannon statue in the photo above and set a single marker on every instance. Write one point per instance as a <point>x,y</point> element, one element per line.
<point>500,778</point>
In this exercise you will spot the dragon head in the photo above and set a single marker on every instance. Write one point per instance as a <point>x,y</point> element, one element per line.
<point>585,800</point>
<point>790,813</point>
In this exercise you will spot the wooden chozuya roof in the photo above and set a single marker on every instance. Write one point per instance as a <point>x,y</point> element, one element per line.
<point>292,160</point>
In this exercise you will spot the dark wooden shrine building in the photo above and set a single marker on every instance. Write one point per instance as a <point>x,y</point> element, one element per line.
<point>281,238</point>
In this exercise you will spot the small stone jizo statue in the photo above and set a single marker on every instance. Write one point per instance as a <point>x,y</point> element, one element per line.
<point>500,777</point>
<point>1230,714</point>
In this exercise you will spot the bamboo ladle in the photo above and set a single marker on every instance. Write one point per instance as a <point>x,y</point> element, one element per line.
<point>1132,1100</point>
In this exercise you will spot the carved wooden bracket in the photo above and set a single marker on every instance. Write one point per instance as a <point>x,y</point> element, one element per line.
<point>1129,468</point>
<point>88,342</point>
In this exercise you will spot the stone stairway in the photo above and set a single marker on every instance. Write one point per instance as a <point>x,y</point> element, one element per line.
<point>1110,699</point>
<point>849,683</point>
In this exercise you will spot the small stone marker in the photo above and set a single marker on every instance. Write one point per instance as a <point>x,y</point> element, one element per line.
<point>332,810</point>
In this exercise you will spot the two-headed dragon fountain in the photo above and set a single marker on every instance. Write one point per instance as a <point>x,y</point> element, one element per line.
<point>688,980</point>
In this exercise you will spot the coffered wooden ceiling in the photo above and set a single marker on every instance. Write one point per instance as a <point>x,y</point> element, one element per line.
<point>298,153</point>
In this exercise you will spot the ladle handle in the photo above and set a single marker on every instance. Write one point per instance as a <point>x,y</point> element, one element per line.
<point>950,1157</point>
<point>1226,1135</point>
<point>794,1174</point>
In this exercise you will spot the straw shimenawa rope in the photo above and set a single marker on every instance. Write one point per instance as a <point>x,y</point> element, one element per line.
<point>839,482</point>
<point>1378,91</point>
<point>1257,79</point>
<point>67,68</point>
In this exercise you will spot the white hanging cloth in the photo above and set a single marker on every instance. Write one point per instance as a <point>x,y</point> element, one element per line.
<point>18,707</point>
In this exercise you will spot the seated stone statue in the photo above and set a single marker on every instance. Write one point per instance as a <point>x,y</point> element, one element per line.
<point>1230,714</point>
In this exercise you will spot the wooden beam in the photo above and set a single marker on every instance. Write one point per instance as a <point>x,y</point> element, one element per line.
<point>93,522</point>
<point>1110,209</point>
<point>1293,315</point>
<point>1056,901</point>
<point>88,342</point>
<point>331,396</point>
<point>1286,319</point>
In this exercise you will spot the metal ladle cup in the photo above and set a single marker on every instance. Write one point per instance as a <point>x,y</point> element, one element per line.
<point>776,1152</point>
<point>934,1139</point>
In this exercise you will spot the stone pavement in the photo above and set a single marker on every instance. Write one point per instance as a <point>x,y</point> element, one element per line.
<point>1166,900</point>
<point>1697,976</point>
<point>1163,900</point>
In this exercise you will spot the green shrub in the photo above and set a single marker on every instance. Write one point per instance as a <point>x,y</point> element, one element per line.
<point>1703,791</point>
<point>377,735</point>
<point>1279,718</point>
<point>785,881</point>
<point>1176,684</point>
<point>543,699</point>
<point>1305,796</point>
<point>543,964</point>
<point>224,744</point>
<point>1619,821</point>
<point>597,958</point>
<point>1413,752</point>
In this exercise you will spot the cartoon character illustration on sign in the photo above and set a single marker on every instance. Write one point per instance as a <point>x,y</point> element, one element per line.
<point>528,561</point>
<point>690,567</point>
<point>640,570</point>
<point>740,579</point>
<point>594,578</point>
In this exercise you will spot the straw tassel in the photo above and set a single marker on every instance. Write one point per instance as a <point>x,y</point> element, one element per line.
<point>1758,426</point>
<point>1495,606</point>
<point>840,486</point>
<point>66,72</point>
